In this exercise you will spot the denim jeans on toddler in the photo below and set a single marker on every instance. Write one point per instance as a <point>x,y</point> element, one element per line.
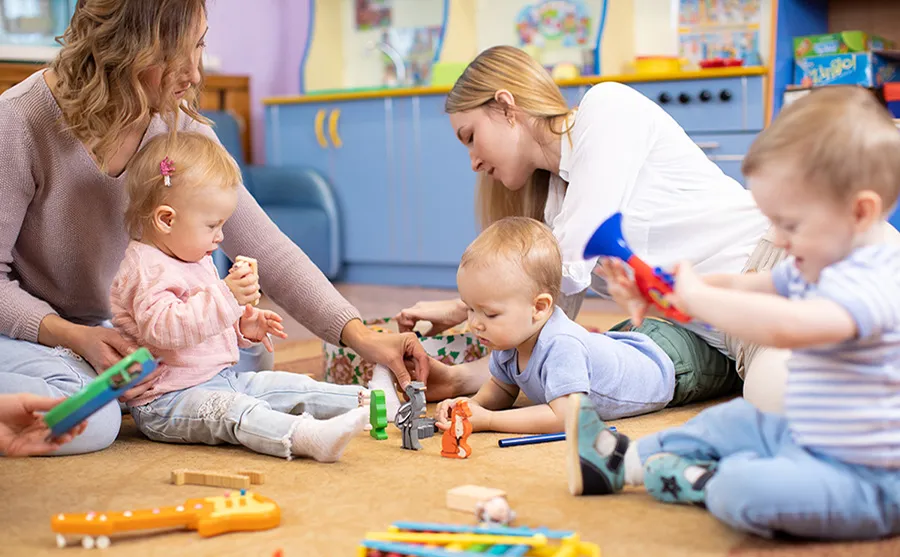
<point>259,410</point>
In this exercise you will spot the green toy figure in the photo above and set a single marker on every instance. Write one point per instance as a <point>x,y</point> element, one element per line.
<point>378,415</point>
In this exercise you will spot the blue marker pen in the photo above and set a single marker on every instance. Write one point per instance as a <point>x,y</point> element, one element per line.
<point>536,439</point>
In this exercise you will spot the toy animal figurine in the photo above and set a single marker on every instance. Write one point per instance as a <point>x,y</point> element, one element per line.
<point>494,512</point>
<point>654,284</point>
<point>378,415</point>
<point>454,443</point>
<point>411,419</point>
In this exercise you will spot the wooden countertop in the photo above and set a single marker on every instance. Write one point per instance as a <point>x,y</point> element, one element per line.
<point>376,93</point>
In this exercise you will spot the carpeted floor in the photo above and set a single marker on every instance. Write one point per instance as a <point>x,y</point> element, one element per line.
<point>328,508</point>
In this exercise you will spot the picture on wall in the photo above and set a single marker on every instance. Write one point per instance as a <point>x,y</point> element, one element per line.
<point>719,29</point>
<point>565,23</point>
<point>559,34</point>
<point>373,14</point>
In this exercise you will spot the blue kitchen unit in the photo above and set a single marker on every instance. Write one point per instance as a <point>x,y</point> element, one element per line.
<point>404,184</point>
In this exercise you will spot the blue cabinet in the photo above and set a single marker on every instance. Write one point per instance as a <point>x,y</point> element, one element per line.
<point>441,184</point>
<point>403,181</point>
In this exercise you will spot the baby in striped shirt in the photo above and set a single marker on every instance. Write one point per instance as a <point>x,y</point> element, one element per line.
<point>168,297</point>
<point>826,173</point>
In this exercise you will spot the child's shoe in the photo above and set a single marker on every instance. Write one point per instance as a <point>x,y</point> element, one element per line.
<point>590,472</point>
<point>675,479</point>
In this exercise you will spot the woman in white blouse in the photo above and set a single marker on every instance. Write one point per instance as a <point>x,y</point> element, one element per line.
<point>572,169</point>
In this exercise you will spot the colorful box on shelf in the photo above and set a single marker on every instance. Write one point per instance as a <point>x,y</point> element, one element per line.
<point>454,346</point>
<point>868,69</point>
<point>838,43</point>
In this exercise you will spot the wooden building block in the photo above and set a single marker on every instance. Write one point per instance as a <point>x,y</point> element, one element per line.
<point>244,260</point>
<point>208,478</point>
<point>256,478</point>
<point>466,497</point>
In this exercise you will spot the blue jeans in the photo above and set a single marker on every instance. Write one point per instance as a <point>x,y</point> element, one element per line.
<point>256,410</point>
<point>766,484</point>
<point>26,367</point>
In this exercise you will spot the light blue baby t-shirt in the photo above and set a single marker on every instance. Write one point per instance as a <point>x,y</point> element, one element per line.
<point>625,374</point>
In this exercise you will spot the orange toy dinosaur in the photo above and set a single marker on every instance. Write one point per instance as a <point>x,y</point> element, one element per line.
<point>454,442</point>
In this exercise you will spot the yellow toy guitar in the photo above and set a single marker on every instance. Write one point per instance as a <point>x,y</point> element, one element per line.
<point>209,516</point>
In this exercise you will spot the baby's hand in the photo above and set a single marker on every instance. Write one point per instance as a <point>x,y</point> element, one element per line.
<point>244,284</point>
<point>257,324</point>
<point>623,289</point>
<point>445,408</point>
<point>688,286</point>
<point>480,418</point>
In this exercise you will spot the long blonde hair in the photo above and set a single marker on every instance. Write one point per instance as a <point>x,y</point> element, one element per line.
<point>535,94</point>
<point>197,161</point>
<point>106,47</point>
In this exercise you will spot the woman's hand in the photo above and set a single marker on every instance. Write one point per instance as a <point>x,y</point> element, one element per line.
<point>22,428</point>
<point>480,418</point>
<point>257,324</point>
<point>244,284</point>
<point>442,315</point>
<point>391,350</point>
<point>100,346</point>
<point>623,289</point>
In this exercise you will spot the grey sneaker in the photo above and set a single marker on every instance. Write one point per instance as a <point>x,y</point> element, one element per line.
<point>589,472</point>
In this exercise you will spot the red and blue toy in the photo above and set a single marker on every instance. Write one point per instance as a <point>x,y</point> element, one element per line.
<point>654,284</point>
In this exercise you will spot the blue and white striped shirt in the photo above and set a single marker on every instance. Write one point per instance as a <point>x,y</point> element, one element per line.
<point>843,399</point>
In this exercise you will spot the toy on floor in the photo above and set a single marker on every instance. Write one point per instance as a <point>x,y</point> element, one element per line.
<point>494,512</point>
<point>466,498</point>
<point>209,516</point>
<point>454,443</point>
<point>254,266</point>
<point>378,415</point>
<point>239,480</point>
<point>654,284</point>
<point>423,539</point>
<point>383,380</point>
<point>108,386</point>
<point>411,418</point>
<point>536,439</point>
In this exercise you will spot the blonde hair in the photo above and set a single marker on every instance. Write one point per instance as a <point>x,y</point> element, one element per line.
<point>197,160</point>
<point>535,94</point>
<point>106,47</point>
<point>838,138</point>
<point>525,242</point>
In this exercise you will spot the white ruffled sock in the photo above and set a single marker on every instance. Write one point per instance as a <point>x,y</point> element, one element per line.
<point>325,440</point>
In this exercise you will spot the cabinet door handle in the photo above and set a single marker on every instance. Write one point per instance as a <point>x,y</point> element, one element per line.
<point>708,145</point>
<point>726,158</point>
<point>320,129</point>
<point>333,128</point>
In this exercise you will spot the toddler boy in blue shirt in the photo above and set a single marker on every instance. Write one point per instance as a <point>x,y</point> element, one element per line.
<point>509,278</point>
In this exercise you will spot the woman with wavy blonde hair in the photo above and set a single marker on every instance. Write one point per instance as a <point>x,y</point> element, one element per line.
<point>127,71</point>
<point>573,168</point>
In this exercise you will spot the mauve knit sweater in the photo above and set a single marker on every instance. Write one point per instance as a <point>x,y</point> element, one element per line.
<point>62,232</point>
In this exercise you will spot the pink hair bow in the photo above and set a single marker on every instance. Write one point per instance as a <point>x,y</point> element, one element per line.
<point>166,168</point>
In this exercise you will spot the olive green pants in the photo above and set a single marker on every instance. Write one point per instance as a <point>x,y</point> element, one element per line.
<point>701,371</point>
